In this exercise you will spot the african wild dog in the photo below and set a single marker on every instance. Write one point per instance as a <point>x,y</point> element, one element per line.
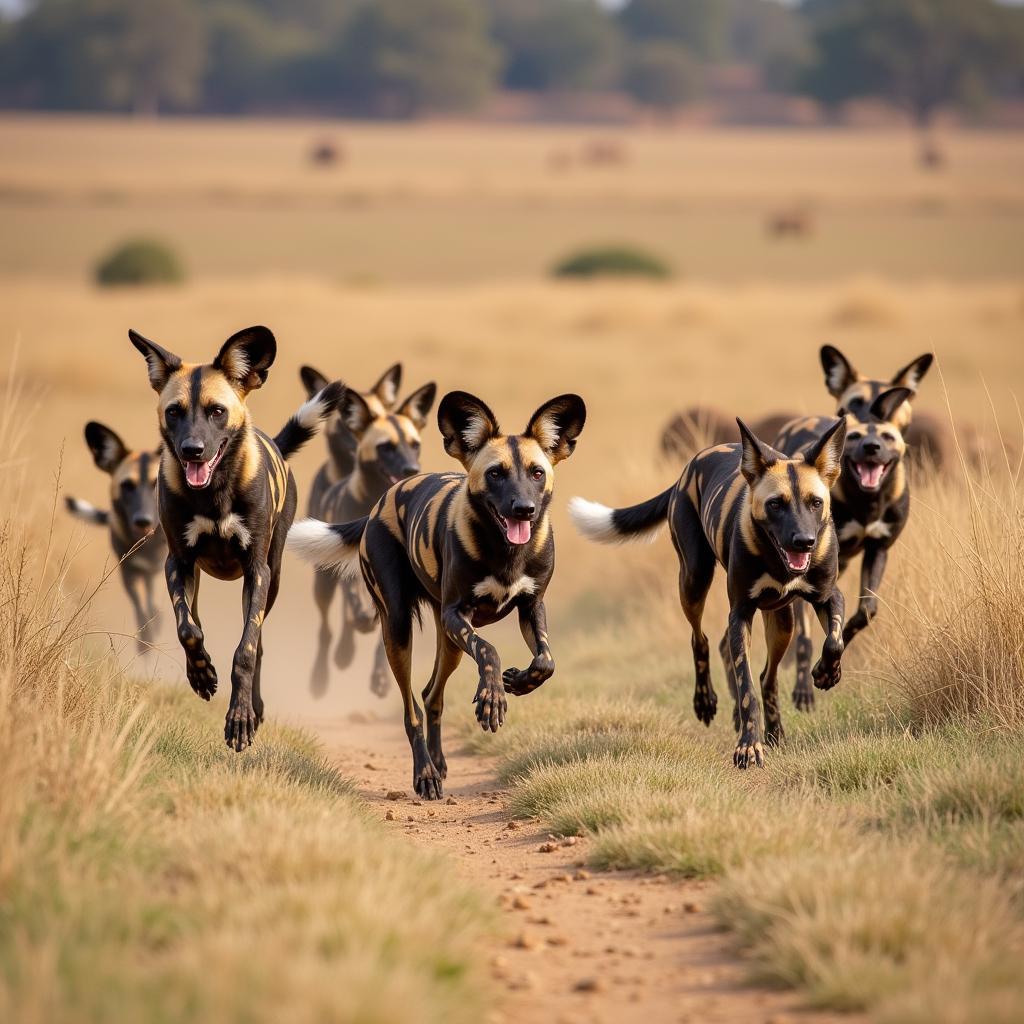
<point>474,546</point>
<point>136,538</point>
<point>227,499</point>
<point>766,519</point>
<point>387,450</point>
<point>377,459</point>
<point>870,506</point>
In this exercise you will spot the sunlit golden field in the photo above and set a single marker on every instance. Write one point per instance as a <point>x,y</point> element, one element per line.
<point>430,245</point>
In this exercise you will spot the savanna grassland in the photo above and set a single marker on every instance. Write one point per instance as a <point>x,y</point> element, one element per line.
<point>875,864</point>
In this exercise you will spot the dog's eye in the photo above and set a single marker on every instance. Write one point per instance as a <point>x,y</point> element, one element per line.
<point>854,435</point>
<point>216,412</point>
<point>537,473</point>
<point>773,504</point>
<point>172,413</point>
<point>494,473</point>
<point>886,436</point>
<point>816,502</point>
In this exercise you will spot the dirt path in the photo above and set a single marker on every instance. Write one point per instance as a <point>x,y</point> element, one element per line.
<point>579,945</point>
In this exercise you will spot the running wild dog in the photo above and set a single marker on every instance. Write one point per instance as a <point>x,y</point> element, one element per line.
<point>137,541</point>
<point>870,507</point>
<point>386,450</point>
<point>227,499</point>
<point>473,546</point>
<point>766,518</point>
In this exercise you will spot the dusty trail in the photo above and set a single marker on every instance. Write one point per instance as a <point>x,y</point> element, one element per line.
<point>578,945</point>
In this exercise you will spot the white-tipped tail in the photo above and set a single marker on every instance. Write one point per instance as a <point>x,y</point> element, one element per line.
<point>87,512</point>
<point>319,543</point>
<point>312,413</point>
<point>606,525</point>
<point>594,521</point>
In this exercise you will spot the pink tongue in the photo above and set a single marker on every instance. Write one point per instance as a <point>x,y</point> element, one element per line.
<point>798,559</point>
<point>197,473</point>
<point>517,531</point>
<point>870,476</point>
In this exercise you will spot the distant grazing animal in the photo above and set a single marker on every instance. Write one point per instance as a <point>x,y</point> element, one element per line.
<point>795,222</point>
<point>136,538</point>
<point>387,451</point>
<point>870,507</point>
<point>766,518</point>
<point>227,499</point>
<point>700,427</point>
<point>473,546</point>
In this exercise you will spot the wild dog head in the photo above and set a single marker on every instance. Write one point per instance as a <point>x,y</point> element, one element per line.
<point>201,407</point>
<point>789,498</point>
<point>387,444</point>
<point>510,477</point>
<point>874,444</point>
<point>132,481</point>
<point>854,392</point>
<point>381,399</point>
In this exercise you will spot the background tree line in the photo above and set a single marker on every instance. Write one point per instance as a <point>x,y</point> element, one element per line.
<point>404,58</point>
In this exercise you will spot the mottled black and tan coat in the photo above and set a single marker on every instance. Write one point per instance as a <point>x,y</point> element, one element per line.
<point>766,519</point>
<point>226,501</point>
<point>474,547</point>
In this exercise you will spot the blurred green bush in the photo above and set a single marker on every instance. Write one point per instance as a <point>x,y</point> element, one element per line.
<point>612,261</point>
<point>140,261</point>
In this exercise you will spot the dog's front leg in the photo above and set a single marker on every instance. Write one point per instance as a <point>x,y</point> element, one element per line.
<point>750,745</point>
<point>871,572</point>
<point>831,612</point>
<point>533,622</point>
<point>490,694</point>
<point>182,580</point>
<point>242,721</point>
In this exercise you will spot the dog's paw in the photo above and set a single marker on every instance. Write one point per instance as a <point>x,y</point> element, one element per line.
<point>240,725</point>
<point>490,706</point>
<point>202,676</point>
<point>803,695</point>
<point>428,782</point>
<point>380,681</point>
<point>705,704</point>
<point>749,752</point>
<point>829,669</point>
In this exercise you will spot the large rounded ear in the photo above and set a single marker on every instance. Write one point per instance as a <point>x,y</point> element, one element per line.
<point>466,425</point>
<point>755,455</point>
<point>246,357</point>
<point>386,389</point>
<point>418,405</point>
<point>356,413</point>
<point>160,362</point>
<point>108,450</point>
<point>312,380</point>
<point>556,425</point>
<point>911,374</point>
<point>839,371</point>
<point>826,455</point>
<point>884,407</point>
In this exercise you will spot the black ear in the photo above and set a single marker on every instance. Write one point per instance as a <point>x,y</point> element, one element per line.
<point>826,455</point>
<point>756,456</point>
<point>108,450</point>
<point>884,407</point>
<point>911,374</point>
<point>161,363</point>
<point>312,380</point>
<point>418,405</point>
<point>246,357</point>
<point>466,425</point>
<point>355,412</point>
<point>557,424</point>
<point>386,389</point>
<point>839,371</point>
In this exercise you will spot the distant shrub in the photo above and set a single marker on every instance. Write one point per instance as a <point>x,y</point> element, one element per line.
<point>141,261</point>
<point>612,261</point>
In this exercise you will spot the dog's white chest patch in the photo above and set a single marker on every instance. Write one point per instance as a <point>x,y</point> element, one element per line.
<point>768,582</point>
<point>855,531</point>
<point>501,593</point>
<point>878,529</point>
<point>232,525</point>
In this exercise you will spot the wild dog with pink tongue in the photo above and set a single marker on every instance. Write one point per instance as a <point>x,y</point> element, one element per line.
<point>765,518</point>
<point>870,506</point>
<point>226,500</point>
<point>473,546</point>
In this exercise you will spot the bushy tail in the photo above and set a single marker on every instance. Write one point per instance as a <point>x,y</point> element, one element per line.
<point>619,525</point>
<point>328,545</point>
<point>86,512</point>
<point>302,427</point>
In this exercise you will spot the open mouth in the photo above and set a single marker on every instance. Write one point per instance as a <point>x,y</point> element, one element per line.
<point>870,474</point>
<point>517,531</point>
<point>795,561</point>
<point>199,474</point>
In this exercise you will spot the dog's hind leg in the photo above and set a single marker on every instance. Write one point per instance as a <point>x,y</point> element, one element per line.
<point>380,675</point>
<point>730,678</point>
<point>778,632</point>
<point>183,586</point>
<point>325,583</point>
<point>803,692</point>
<point>134,589</point>
<point>446,661</point>
<point>345,650</point>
